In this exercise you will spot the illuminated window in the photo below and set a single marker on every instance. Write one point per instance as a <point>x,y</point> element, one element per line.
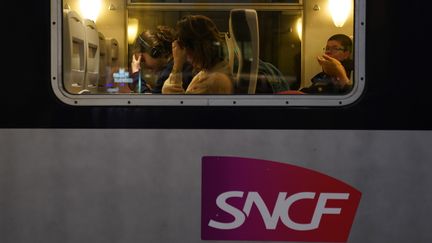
<point>277,53</point>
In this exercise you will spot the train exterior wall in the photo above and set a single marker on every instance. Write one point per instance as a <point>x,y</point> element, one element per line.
<point>145,185</point>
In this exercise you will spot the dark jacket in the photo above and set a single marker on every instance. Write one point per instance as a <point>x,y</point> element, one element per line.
<point>323,83</point>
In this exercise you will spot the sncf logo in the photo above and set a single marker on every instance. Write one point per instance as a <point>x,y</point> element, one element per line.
<point>250,199</point>
<point>282,206</point>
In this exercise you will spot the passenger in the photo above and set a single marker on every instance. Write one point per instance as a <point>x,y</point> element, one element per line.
<point>336,64</point>
<point>199,43</point>
<point>153,49</point>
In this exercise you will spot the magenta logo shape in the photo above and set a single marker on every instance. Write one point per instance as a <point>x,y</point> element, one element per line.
<point>251,199</point>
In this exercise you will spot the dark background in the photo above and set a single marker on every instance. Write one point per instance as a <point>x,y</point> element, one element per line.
<point>397,96</point>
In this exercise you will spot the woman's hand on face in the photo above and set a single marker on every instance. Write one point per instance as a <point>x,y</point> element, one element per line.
<point>179,55</point>
<point>136,62</point>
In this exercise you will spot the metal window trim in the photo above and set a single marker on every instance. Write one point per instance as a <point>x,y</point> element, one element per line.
<point>208,100</point>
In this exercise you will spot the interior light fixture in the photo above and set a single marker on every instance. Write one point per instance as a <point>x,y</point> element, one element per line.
<point>340,10</point>
<point>132,30</point>
<point>90,9</point>
<point>299,28</point>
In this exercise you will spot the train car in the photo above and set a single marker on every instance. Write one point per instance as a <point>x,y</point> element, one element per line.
<point>260,124</point>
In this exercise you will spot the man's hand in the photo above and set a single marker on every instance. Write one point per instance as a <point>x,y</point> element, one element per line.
<point>334,67</point>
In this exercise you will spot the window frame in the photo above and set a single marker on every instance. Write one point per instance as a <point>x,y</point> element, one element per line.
<point>308,100</point>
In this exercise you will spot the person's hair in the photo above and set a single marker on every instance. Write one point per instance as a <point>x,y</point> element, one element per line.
<point>200,34</point>
<point>344,40</point>
<point>160,39</point>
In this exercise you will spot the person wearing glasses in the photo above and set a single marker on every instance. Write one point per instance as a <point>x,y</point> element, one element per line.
<point>200,43</point>
<point>152,50</point>
<point>337,66</point>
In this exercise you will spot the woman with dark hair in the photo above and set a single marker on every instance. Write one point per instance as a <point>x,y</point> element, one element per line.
<point>152,49</point>
<point>198,42</point>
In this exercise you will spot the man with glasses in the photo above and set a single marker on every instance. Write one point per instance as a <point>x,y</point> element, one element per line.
<point>336,64</point>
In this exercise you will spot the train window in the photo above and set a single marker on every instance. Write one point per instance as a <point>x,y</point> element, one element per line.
<point>226,53</point>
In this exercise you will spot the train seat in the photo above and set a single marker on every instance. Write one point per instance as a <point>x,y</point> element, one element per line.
<point>74,52</point>
<point>93,56</point>
<point>243,49</point>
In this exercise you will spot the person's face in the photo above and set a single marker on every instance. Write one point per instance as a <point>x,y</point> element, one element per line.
<point>154,64</point>
<point>336,50</point>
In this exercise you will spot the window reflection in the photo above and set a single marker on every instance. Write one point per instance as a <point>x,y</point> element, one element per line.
<point>288,43</point>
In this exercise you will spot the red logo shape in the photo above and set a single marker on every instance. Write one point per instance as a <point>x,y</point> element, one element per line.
<point>251,199</point>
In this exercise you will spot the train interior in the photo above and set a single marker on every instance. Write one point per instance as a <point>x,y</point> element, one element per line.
<point>98,38</point>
